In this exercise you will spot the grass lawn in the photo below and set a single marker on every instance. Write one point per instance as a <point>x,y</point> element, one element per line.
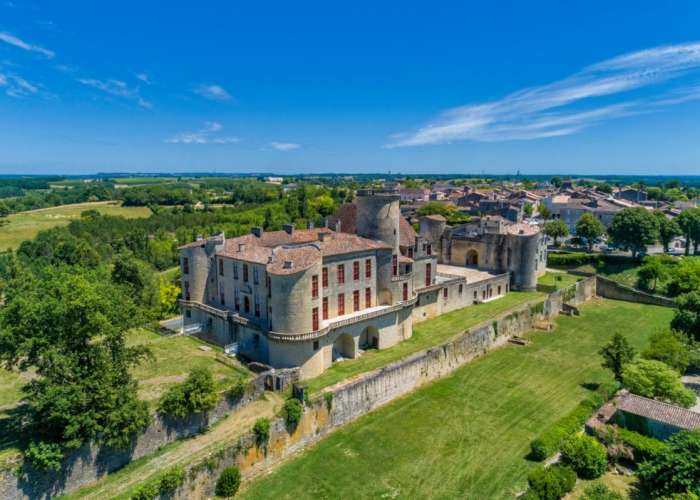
<point>425,334</point>
<point>559,280</point>
<point>466,436</point>
<point>25,225</point>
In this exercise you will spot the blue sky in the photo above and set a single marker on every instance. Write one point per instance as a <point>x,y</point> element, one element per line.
<point>411,87</point>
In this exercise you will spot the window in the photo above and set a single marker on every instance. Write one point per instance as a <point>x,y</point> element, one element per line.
<point>341,274</point>
<point>474,294</point>
<point>222,297</point>
<point>356,270</point>
<point>461,288</point>
<point>187,290</point>
<point>256,275</point>
<point>341,304</point>
<point>324,277</point>
<point>428,271</point>
<point>368,268</point>
<point>257,306</point>
<point>444,293</point>
<point>315,345</point>
<point>245,273</point>
<point>314,286</point>
<point>235,270</point>
<point>185,265</point>
<point>221,267</point>
<point>410,252</point>
<point>236,300</point>
<point>499,289</point>
<point>395,264</point>
<point>246,304</point>
<point>314,319</point>
<point>188,313</point>
<point>324,311</point>
<point>368,297</point>
<point>405,292</point>
<point>356,300</point>
<point>430,249</point>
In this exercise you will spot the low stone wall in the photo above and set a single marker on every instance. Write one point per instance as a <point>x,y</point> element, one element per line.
<point>349,401</point>
<point>90,462</point>
<point>611,289</point>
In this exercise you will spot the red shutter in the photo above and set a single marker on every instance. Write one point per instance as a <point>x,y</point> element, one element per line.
<point>356,270</point>
<point>325,308</point>
<point>324,277</point>
<point>314,319</point>
<point>356,300</point>
<point>314,286</point>
<point>405,292</point>
<point>428,271</point>
<point>368,297</point>
<point>341,304</point>
<point>368,268</point>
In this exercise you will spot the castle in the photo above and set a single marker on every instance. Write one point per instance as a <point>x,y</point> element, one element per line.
<point>308,297</point>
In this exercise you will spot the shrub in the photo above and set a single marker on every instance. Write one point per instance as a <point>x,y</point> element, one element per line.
<point>670,348</point>
<point>236,391</point>
<point>292,412</point>
<point>551,483</point>
<point>147,491</point>
<point>675,469</point>
<point>643,447</point>
<point>328,397</point>
<point>228,483</point>
<point>195,395</point>
<point>261,429</point>
<point>654,379</point>
<point>585,455</point>
<point>171,480</point>
<point>572,259</point>
<point>44,456</point>
<point>599,491</point>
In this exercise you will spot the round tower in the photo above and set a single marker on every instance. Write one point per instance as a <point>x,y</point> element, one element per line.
<point>378,216</point>
<point>523,251</point>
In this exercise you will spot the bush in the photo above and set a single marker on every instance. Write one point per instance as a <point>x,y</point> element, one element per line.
<point>643,447</point>
<point>146,491</point>
<point>599,491</point>
<point>237,390</point>
<point>197,394</point>
<point>44,456</point>
<point>292,412</point>
<point>654,379</point>
<point>171,480</point>
<point>675,469</point>
<point>670,348</point>
<point>228,483</point>
<point>585,455</point>
<point>261,429</point>
<point>551,483</point>
<point>572,259</point>
<point>328,397</point>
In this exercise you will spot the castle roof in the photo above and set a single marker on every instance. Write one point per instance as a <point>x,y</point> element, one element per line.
<point>346,214</point>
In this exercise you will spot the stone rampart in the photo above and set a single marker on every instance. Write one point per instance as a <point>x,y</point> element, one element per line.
<point>611,289</point>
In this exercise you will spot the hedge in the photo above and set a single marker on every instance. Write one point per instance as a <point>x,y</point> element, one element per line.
<point>575,259</point>
<point>643,447</point>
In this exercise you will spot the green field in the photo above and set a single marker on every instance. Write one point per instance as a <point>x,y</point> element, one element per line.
<point>558,279</point>
<point>466,436</point>
<point>173,358</point>
<point>426,334</point>
<point>26,225</point>
<point>133,181</point>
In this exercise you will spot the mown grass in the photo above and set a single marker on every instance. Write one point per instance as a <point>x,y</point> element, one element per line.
<point>558,280</point>
<point>466,436</point>
<point>426,334</point>
<point>24,226</point>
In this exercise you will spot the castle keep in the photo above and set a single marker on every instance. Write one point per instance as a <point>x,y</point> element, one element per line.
<point>309,297</point>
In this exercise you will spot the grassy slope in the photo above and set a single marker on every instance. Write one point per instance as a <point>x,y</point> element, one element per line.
<point>465,436</point>
<point>558,279</point>
<point>25,225</point>
<point>426,334</point>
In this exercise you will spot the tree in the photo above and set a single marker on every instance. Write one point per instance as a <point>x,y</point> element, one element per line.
<point>585,455</point>
<point>544,211</point>
<point>436,208</point>
<point>228,483</point>
<point>551,483</point>
<point>669,348</point>
<point>616,354</point>
<point>687,316</point>
<point>556,181</point>
<point>600,491</point>
<point>528,209</point>
<point>668,229</point>
<point>589,228</point>
<point>685,277</point>
<point>675,469</point>
<point>689,223</point>
<point>556,229</point>
<point>196,394</point>
<point>633,229</point>
<point>650,273</point>
<point>654,379</point>
<point>67,325</point>
<point>4,209</point>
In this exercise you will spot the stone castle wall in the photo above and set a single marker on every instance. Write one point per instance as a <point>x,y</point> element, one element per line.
<point>613,290</point>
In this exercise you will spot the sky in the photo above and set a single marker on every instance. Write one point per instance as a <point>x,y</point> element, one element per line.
<point>373,87</point>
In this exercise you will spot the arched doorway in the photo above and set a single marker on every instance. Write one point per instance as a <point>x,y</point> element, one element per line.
<point>369,338</point>
<point>344,347</point>
<point>472,258</point>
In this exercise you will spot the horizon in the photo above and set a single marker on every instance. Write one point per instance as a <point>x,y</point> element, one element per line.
<point>548,89</point>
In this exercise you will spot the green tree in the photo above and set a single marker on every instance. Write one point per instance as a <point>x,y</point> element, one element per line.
<point>589,228</point>
<point>528,209</point>
<point>556,181</point>
<point>544,211</point>
<point>684,277</point>
<point>687,316</point>
<point>585,455</point>
<point>633,229</point>
<point>668,229</point>
<point>654,379</point>
<point>4,209</point>
<point>670,348</point>
<point>436,208</point>
<point>616,354</point>
<point>551,483</point>
<point>653,271</point>
<point>600,491</point>
<point>197,394</point>
<point>228,483</point>
<point>556,229</point>
<point>675,469</point>
<point>689,223</point>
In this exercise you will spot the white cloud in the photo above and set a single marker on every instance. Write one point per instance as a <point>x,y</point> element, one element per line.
<point>542,111</point>
<point>213,92</point>
<point>16,42</point>
<point>117,88</point>
<point>284,146</point>
<point>143,77</point>
<point>16,86</point>
<point>204,135</point>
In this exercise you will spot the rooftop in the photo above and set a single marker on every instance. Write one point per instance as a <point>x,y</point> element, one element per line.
<point>659,411</point>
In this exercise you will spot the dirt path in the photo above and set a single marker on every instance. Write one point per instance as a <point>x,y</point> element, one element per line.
<point>186,451</point>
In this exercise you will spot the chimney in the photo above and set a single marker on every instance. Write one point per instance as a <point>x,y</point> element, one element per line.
<point>288,228</point>
<point>257,231</point>
<point>241,247</point>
